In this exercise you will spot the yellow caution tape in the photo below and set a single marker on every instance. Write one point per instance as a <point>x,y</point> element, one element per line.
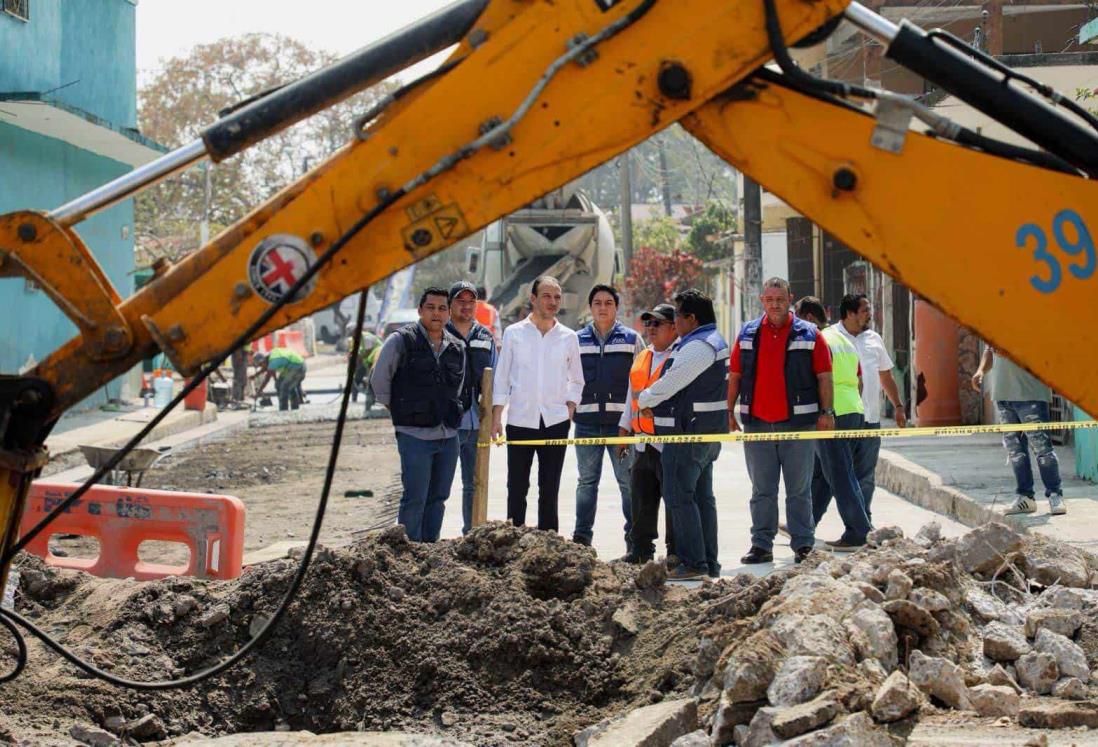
<point>808,435</point>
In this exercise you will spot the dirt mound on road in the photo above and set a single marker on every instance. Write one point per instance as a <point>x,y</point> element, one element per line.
<point>506,635</point>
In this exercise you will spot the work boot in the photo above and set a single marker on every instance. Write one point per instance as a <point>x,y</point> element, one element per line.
<point>757,555</point>
<point>1056,505</point>
<point>841,545</point>
<point>682,573</point>
<point>801,554</point>
<point>1023,504</point>
<point>581,541</point>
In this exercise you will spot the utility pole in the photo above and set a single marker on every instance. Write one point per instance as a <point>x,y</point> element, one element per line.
<point>665,177</point>
<point>204,226</point>
<point>625,168</point>
<point>752,247</point>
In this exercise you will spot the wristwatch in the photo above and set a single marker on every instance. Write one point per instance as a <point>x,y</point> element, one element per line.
<point>827,412</point>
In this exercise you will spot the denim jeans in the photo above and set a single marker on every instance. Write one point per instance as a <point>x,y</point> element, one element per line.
<point>467,450</point>
<point>865,452</point>
<point>426,471</point>
<point>836,475</point>
<point>589,460</point>
<point>769,461</point>
<point>1017,447</point>
<point>688,491</point>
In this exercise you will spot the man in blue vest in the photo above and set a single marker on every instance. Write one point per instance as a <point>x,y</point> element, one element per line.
<point>419,376</point>
<point>781,373</point>
<point>480,353</point>
<point>689,398</point>
<point>607,348</point>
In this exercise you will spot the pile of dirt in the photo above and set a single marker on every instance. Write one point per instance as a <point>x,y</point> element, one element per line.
<point>507,635</point>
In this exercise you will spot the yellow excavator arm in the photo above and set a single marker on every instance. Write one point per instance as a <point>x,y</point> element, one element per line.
<point>537,93</point>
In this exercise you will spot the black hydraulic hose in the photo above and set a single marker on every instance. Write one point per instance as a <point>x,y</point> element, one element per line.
<point>21,649</point>
<point>294,102</point>
<point>7,617</point>
<point>972,82</point>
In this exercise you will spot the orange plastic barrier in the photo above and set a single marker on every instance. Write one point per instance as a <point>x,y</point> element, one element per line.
<point>938,399</point>
<point>283,338</point>
<point>211,526</point>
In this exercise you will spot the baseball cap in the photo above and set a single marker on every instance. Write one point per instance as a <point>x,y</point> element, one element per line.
<point>460,286</point>
<point>665,312</point>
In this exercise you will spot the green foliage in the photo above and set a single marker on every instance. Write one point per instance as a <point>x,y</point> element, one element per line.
<point>186,96</point>
<point>656,276</point>
<point>717,218</point>
<point>661,234</point>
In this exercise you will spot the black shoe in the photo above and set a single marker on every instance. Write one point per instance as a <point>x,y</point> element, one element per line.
<point>634,559</point>
<point>715,571</point>
<point>757,555</point>
<point>801,554</point>
<point>582,541</point>
<point>841,545</point>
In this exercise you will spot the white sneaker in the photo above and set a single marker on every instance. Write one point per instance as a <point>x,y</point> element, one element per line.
<point>1056,505</point>
<point>1022,505</point>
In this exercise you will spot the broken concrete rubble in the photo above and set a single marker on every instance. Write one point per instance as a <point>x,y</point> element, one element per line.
<point>1070,658</point>
<point>1004,643</point>
<point>1063,621</point>
<point>896,699</point>
<point>798,680</point>
<point>985,548</point>
<point>939,678</point>
<point>1037,671</point>
<point>994,700</point>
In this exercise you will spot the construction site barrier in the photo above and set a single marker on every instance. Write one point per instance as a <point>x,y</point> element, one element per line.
<point>291,339</point>
<point>210,526</point>
<point>810,435</point>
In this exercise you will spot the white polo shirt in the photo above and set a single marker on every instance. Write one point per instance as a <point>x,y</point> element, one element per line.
<point>537,375</point>
<point>874,358</point>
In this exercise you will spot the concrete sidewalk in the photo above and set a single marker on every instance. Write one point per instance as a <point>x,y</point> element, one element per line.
<point>733,491</point>
<point>969,479</point>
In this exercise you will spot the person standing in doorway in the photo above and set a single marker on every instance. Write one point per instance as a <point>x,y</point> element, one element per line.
<point>1023,398</point>
<point>689,398</point>
<point>855,317</point>
<point>419,375</point>
<point>781,374</point>
<point>539,380</point>
<point>646,476</point>
<point>480,353</point>
<point>607,348</point>
<point>834,469</point>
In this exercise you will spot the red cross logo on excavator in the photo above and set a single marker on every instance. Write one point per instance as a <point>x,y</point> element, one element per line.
<point>276,264</point>
<point>280,270</point>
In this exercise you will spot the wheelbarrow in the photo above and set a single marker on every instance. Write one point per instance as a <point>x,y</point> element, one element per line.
<point>132,467</point>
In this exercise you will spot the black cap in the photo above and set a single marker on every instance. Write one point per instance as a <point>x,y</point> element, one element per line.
<point>665,312</point>
<point>462,285</point>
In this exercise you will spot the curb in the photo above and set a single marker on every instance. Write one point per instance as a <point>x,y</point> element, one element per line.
<point>924,488</point>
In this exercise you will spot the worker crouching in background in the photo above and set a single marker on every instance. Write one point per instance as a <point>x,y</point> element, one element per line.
<point>288,370</point>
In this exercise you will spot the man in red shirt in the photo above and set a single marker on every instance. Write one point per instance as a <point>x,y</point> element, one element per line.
<point>780,371</point>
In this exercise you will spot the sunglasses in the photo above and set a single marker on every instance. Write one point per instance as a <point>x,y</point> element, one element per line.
<point>655,322</point>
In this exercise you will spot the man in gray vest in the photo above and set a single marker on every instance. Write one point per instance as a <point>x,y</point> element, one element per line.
<point>1022,398</point>
<point>419,375</point>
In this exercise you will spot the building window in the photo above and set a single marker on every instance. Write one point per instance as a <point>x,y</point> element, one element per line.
<point>18,8</point>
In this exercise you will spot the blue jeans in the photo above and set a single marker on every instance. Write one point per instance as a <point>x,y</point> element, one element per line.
<point>837,475</point>
<point>688,491</point>
<point>467,450</point>
<point>1017,447</point>
<point>769,461</point>
<point>865,452</point>
<point>589,459</point>
<point>426,471</point>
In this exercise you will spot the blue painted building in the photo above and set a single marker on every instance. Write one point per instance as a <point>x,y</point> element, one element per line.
<point>68,119</point>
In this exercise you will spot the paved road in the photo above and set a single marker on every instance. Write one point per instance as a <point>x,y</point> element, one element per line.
<point>733,490</point>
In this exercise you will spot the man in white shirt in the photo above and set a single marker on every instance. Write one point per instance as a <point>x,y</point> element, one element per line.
<point>855,314</point>
<point>539,379</point>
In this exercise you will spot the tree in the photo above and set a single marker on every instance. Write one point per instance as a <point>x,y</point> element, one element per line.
<point>707,227</point>
<point>661,234</point>
<point>656,276</point>
<point>188,94</point>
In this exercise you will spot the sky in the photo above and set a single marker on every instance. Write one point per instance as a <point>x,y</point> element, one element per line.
<point>169,28</point>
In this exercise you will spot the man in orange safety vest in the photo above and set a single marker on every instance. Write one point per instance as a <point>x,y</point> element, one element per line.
<point>646,480</point>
